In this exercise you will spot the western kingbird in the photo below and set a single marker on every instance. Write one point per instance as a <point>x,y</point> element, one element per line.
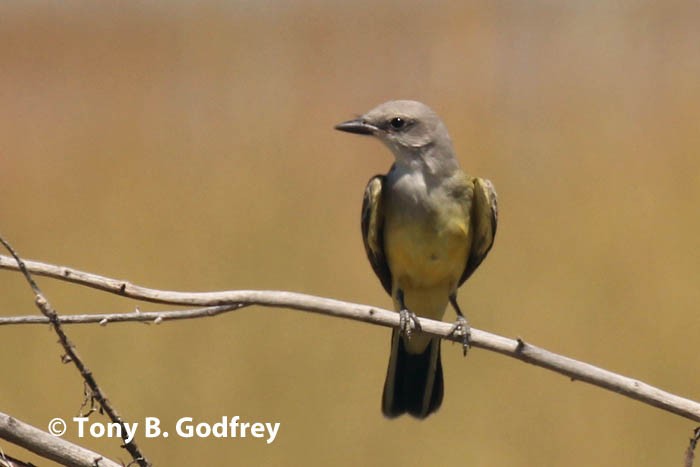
<point>426,227</point>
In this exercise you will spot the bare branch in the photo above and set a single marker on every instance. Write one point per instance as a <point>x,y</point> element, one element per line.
<point>49,446</point>
<point>155,317</point>
<point>690,451</point>
<point>519,349</point>
<point>8,461</point>
<point>72,355</point>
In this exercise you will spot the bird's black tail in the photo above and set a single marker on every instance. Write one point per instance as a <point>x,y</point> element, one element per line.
<point>413,381</point>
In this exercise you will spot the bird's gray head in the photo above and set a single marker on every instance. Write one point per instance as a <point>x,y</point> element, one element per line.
<point>410,129</point>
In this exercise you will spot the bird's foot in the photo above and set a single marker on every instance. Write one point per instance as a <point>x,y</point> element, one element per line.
<point>406,318</point>
<point>462,329</point>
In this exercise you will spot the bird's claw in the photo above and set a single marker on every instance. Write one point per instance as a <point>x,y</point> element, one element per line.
<point>462,329</point>
<point>407,317</point>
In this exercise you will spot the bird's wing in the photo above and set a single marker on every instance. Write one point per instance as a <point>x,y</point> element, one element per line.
<point>483,218</point>
<point>373,230</point>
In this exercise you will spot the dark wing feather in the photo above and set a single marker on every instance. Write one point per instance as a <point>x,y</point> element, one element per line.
<point>373,230</point>
<point>483,218</point>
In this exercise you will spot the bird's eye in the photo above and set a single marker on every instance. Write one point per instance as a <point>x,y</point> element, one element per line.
<point>397,123</point>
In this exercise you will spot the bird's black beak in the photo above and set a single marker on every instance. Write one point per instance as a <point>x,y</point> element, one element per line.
<point>357,126</point>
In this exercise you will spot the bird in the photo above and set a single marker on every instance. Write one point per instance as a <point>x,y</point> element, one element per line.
<point>426,227</point>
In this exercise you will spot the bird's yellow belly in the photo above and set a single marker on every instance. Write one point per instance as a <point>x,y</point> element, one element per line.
<point>425,255</point>
<point>426,260</point>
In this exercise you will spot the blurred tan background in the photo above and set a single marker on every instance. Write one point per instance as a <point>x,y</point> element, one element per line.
<point>190,147</point>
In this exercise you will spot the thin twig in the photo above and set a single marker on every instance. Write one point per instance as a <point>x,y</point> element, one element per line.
<point>690,452</point>
<point>49,446</point>
<point>155,317</point>
<point>72,355</point>
<point>519,349</point>
<point>9,461</point>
